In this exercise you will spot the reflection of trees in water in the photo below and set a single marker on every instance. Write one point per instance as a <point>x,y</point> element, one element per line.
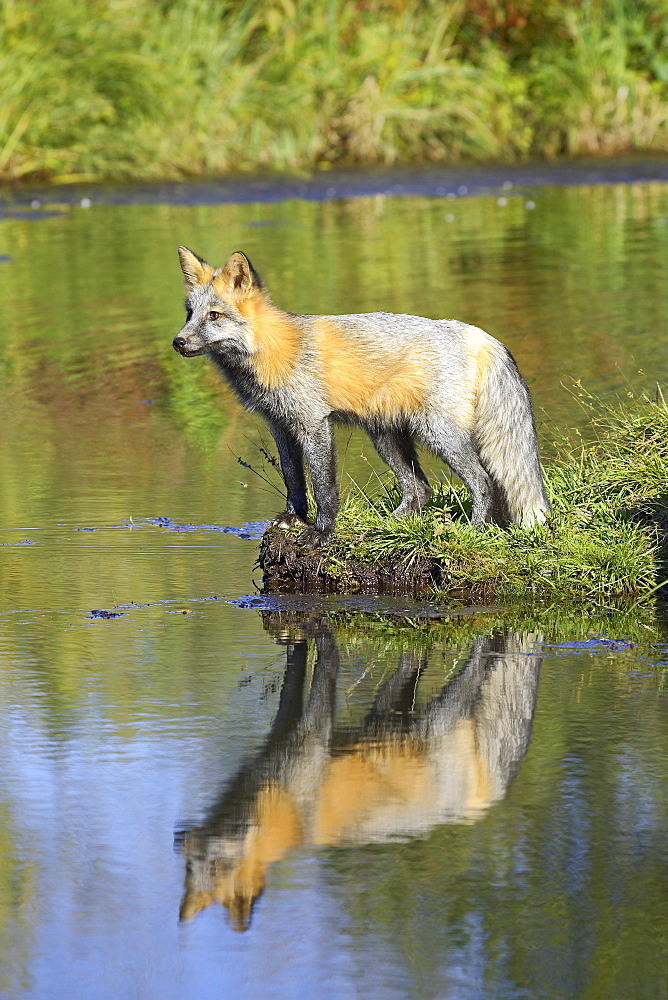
<point>409,767</point>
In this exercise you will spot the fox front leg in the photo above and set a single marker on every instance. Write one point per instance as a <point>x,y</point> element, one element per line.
<point>292,467</point>
<point>319,452</point>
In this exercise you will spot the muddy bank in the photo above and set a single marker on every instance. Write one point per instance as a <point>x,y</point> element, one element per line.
<point>287,568</point>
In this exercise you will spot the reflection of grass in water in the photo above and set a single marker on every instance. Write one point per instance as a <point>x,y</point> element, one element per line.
<point>195,406</point>
<point>195,87</point>
<point>624,636</point>
<point>606,540</point>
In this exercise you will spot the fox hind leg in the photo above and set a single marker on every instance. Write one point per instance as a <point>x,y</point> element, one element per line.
<point>397,450</point>
<point>457,451</point>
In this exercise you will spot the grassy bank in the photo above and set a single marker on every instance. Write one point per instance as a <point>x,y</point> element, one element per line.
<point>184,88</point>
<point>607,541</point>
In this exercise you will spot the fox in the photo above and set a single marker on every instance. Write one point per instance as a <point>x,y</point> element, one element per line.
<point>405,770</point>
<point>406,380</point>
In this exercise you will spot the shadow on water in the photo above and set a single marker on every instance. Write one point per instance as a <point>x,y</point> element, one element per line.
<point>407,768</point>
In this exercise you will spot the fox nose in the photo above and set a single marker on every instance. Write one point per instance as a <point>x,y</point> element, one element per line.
<point>179,343</point>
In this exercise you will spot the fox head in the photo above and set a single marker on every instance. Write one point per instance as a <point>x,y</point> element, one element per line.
<point>231,870</point>
<point>219,303</point>
<point>236,887</point>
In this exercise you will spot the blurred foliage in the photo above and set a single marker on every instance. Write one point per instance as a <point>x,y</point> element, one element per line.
<point>120,88</point>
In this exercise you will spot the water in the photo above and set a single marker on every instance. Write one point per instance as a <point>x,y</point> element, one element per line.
<point>399,800</point>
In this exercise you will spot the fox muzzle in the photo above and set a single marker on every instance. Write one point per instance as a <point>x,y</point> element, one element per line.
<point>185,348</point>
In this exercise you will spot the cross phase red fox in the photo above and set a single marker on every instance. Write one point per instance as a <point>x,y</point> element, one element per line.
<point>406,380</point>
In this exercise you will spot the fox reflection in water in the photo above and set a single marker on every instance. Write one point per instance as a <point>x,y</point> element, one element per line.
<point>409,768</point>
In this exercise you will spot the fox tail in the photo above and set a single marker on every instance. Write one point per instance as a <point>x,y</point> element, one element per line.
<point>505,436</point>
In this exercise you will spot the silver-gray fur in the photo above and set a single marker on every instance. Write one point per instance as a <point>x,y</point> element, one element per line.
<point>478,420</point>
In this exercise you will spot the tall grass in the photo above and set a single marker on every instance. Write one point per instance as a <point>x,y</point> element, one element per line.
<point>177,88</point>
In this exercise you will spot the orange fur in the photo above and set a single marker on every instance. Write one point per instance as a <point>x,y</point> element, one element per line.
<point>366,784</point>
<point>481,358</point>
<point>277,825</point>
<point>367,381</point>
<point>479,787</point>
<point>278,340</point>
<point>275,831</point>
<point>484,359</point>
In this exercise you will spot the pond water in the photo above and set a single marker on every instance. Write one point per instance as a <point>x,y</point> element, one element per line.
<point>207,793</point>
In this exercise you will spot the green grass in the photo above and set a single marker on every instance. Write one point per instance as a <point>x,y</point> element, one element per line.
<point>183,88</point>
<point>605,543</point>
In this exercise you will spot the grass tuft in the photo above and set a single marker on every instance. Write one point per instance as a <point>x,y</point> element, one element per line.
<point>606,542</point>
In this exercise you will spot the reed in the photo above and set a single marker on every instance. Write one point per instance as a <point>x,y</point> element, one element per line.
<point>181,88</point>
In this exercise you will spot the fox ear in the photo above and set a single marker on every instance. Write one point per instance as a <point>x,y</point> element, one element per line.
<point>195,270</point>
<point>238,278</point>
<point>193,902</point>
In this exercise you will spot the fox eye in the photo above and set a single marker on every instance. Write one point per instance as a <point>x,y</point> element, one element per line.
<point>213,315</point>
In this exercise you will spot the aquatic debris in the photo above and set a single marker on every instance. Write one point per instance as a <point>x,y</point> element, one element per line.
<point>249,530</point>
<point>249,602</point>
<point>596,644</point>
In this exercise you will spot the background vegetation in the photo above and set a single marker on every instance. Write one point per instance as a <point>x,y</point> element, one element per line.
<point>177,88</point>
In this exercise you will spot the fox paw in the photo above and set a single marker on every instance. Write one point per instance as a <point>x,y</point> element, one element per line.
<point>407,508</point>
<point>313,538</point>
<point>288,519</point>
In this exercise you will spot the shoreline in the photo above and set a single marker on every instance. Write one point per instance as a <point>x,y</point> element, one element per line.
<point>193,88</point>
<point>410,180</point>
